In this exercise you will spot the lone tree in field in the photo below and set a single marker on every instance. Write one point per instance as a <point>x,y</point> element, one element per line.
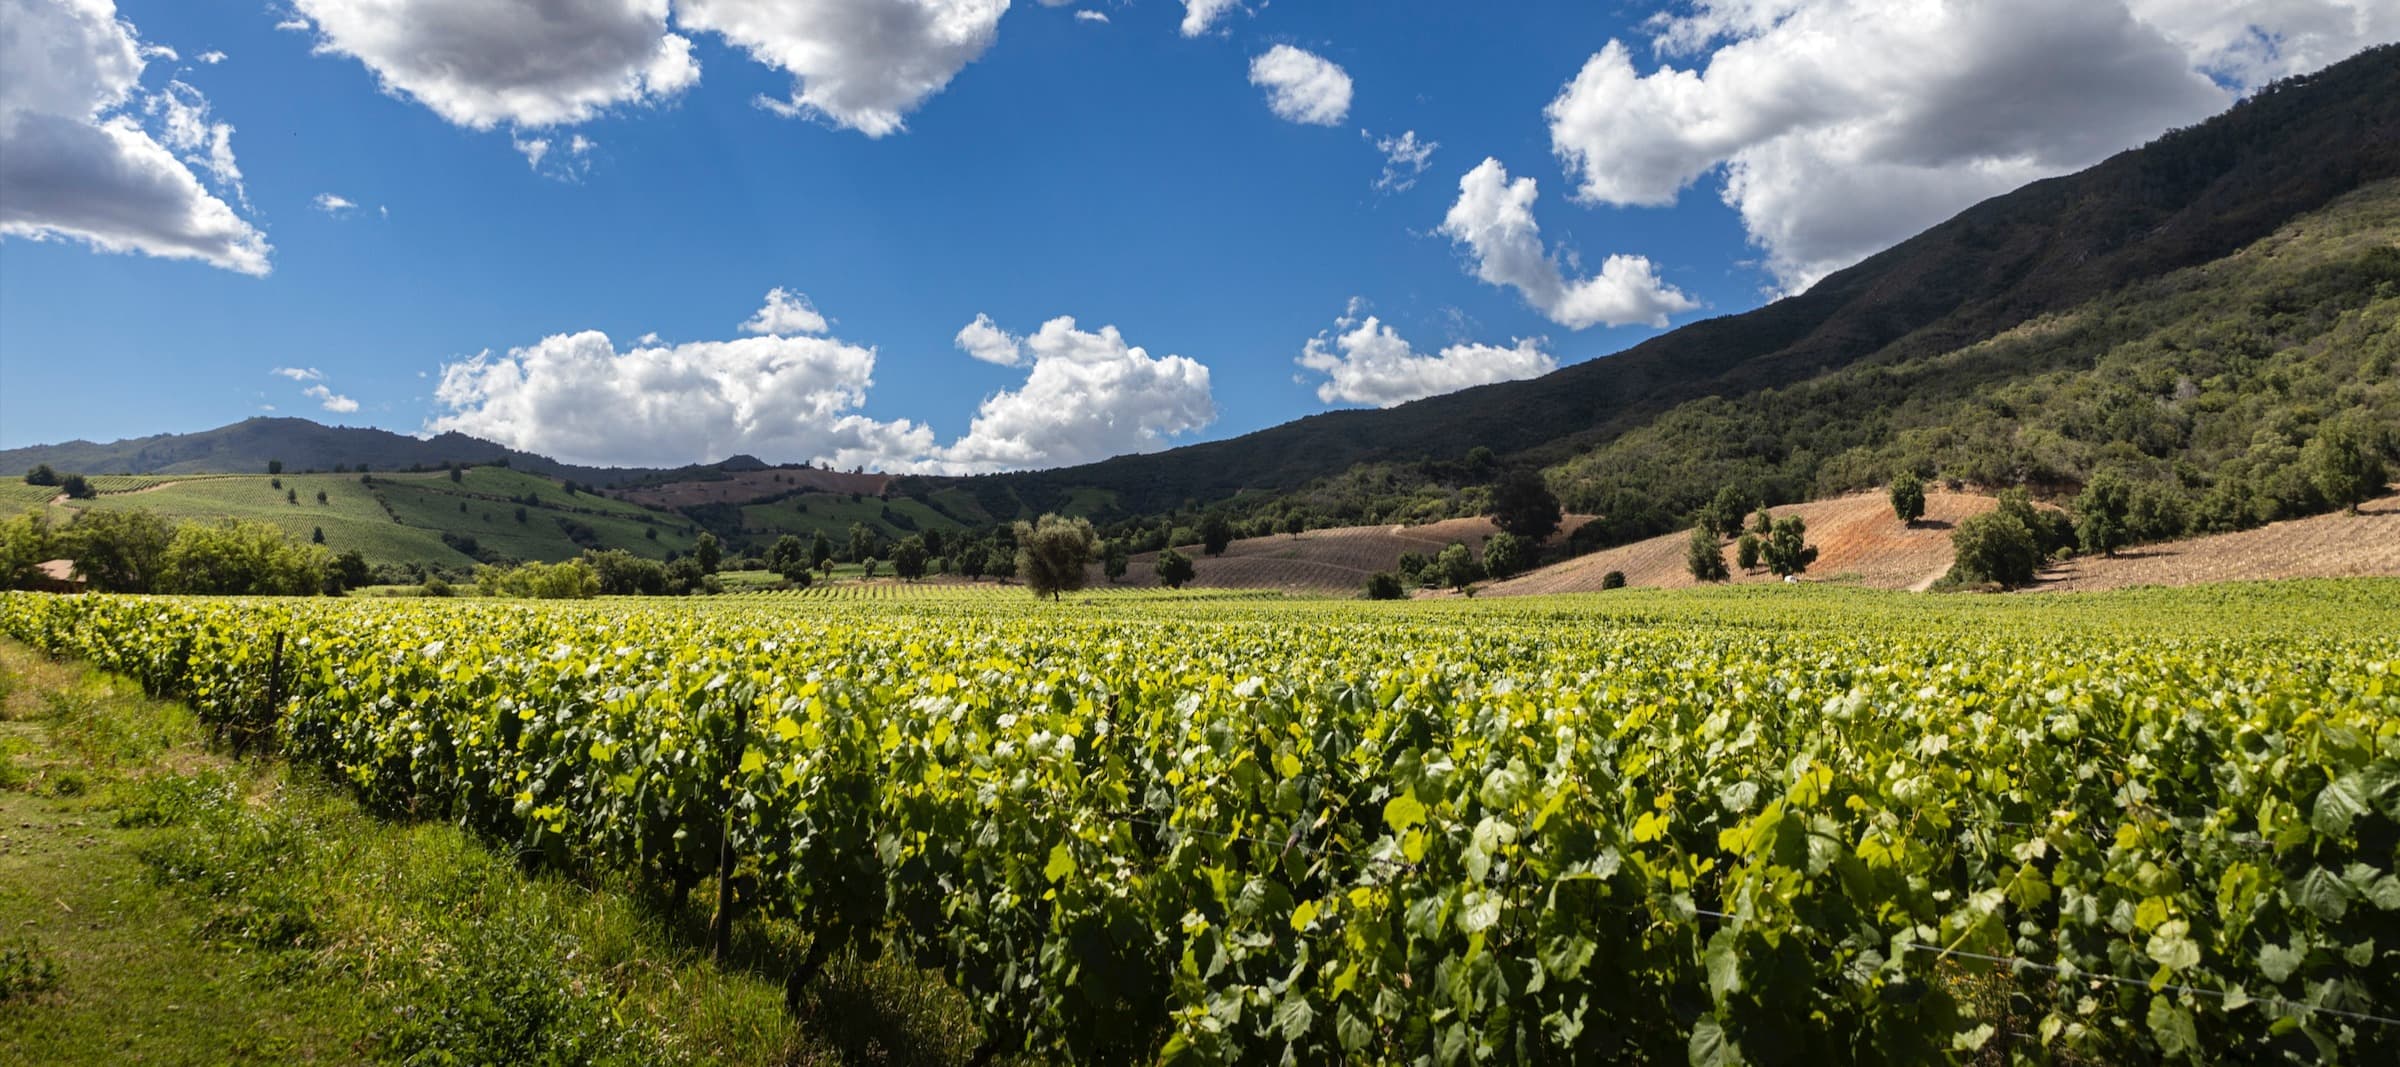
<point>274,466</point>
<point>1522,504</point>
<point>1216,532</point>
<point>80,488</point>
<point>705,551</point>
<point>1174,569</point>
<point>41,475</point>
<point>1052,554</point>
<point>1997,547</point>
<point>908,558</point>
<point>2101,511</point>
<point>1705,556</point>
<point>1908,497</point>
<point>2346,464</point>
<point>1724,513</point>
<point>1787,551</point>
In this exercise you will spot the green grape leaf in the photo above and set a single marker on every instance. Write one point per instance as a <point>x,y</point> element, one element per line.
<point>1403,811</point>
<point>1062,863</point>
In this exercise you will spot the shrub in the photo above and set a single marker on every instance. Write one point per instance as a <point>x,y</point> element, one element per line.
<point>1705,557</point>
<point>1995,547</point>
<point>1174,568</point>
<point>1613,580</point>
<point>1908,497</point>
<point>1384,585</point>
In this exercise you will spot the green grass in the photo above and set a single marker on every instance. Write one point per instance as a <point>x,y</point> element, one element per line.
<point>400,518</point>
<point>169,904</point>
<point>833,513</point>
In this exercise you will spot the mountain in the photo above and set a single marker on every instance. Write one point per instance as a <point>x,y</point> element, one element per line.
<point>2190,197</point>
<point>246,447</point>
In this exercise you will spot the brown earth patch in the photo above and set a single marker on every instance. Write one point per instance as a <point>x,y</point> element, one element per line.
<point>2320,546</point>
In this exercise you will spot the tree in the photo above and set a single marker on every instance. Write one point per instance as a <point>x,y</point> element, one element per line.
<point>621,573</point>
<point>1456,566</point>
<point>2345,463</point>
<point>1504,554</point>
<point>350,569</point>
<point>820,548</point>
<point>971,558</point>
<point>235,558</point>
<point>2102,511</point>
<point>707,553</point>
<point>520,509</point>
<point>321,499</point>
<point>1908,497</point>
<point>1052,554</point>
<point>1787,551</point>
<point>1705,556</point>
<point>41,474</point>
<point>1613,580</point>
<point>862,542</point>
<point>1384,585</point>
<point>933,542</point>
<point>908,558</point>
<point>76,486</point>
<point>868,566</point>
<point>1762,524</point>
<point>1723,515</point>
<point>1113,563</point>
<point>1174,569</point>
<point>119,551</point>
<point>1522,504</point>
<point>274,466</point>
<point>1000,563</point>
<point>25,543</point>
<point>457,475</point>
<point>292,496</point>
<point>787,557</point>
<point>1746,549</point>
<point>317,536</point>
<point>1216,533</point>
<point>1995,547</point>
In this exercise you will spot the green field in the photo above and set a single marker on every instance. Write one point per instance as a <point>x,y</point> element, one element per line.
<point>833,513</point>
<point>400,518</point>
<point>1795,824</point>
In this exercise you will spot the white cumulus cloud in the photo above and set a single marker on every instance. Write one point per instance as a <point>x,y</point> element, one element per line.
<point>860,64</point>
<point>1493,218</point>
<point>1199,15</point>
<point>1088,396</point>
<point>1302,86</point>
<point>784,314</point>
<point>480,63</point>
<point>333,204</point>
<point>1089,15</point>
<point>576,396</point>
<point>1367,362</point>
<point>985,340</point>
<point>211,57</point>
<point>77,163</point>
<point>1843,126</point>
<point>330,400</point>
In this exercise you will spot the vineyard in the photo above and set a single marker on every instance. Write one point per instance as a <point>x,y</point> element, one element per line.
<point>1748,825</point>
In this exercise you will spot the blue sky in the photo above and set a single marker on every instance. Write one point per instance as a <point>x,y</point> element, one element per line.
<point>1211,195</point>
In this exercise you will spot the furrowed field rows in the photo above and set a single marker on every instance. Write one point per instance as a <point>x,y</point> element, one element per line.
<point>1769,825</point>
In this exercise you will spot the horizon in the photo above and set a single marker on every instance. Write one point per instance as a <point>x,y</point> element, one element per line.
<point>1006,243</point>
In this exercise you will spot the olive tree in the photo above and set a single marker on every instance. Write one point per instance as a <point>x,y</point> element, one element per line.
<point>1052,554</point>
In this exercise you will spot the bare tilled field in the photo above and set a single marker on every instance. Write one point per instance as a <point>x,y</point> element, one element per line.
<point>1857,538</point>
<point>1334,560</point>
<point>2322,546</point>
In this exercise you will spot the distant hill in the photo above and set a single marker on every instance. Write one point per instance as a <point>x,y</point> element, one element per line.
<point>246,447</point>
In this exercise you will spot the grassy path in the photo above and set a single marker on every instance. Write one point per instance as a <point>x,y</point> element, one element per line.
<point>161,903</point>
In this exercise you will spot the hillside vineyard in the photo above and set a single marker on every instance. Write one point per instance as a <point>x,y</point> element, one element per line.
<point>1820,827</point>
